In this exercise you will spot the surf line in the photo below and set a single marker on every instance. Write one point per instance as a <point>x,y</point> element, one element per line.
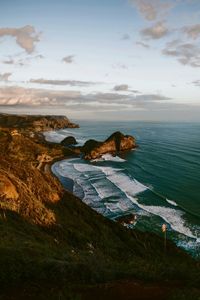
<point>175,204</point>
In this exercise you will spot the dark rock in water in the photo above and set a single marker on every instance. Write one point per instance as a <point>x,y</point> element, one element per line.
<point>90,145</point>
<point>115,143</point>
<point>68,141</point>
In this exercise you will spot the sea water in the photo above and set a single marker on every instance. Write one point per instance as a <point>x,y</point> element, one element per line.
<point>159,181</point>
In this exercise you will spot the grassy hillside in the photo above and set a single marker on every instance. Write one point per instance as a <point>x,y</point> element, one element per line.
<point>51,243</point>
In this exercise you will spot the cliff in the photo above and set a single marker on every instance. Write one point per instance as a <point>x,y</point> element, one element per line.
<point>35,123</point>
<point>117,142</point>
<point>51,242</point>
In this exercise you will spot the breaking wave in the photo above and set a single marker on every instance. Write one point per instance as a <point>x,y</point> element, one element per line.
<point>112,192</point>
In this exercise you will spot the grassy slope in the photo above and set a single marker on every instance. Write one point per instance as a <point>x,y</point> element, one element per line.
<point>49,236</point>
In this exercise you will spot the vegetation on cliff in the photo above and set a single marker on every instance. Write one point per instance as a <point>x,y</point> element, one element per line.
<point>52,242</point>
<point>35,122</point>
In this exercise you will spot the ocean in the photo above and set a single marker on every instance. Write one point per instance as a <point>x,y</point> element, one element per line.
<point>159,181</point>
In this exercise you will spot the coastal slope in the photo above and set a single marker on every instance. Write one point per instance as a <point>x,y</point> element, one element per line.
<point>53,243</point>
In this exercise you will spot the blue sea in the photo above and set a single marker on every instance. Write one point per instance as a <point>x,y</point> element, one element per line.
<point>159,181</point>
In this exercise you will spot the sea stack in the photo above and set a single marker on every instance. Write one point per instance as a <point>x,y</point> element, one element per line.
<point>69,141</point>
<point>117,142</point>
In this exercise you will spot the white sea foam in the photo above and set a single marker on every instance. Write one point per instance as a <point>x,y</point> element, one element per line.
<point>132,187</point>
<point>78,190</point>
<point>53,136</point>
<point>128,185</point>
<point>58,136</point>
<point>102,182</point>
<point>84,167</point>
<point>109,157</point>
<point>65,169</point>
<point>112,207</point>
<point>102,188</point>
<point>193,245</point>
<point>171,202</point>
<point>171,216</point>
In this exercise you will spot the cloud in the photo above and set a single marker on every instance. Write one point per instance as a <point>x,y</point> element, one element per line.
<point>26,37</point>
<point>23,97</point>
<point>125,37</point>
<point>68,59</point>
<point>120,66</point>
<point>151,9</point>
<point>152,97</point>
<point>185,53</point>
<point>192,31</point>
<point>124,88</point>
<point>62,82</point>
<point>144,45</point>
<point>74,104</point>
<point>157,31</point>
<point>8,61</point>
<point>196,83</point>
<point>5,76</point>
<point>121,87</point>
<point>39,56</point>
<point>21,61</point>
<point>19,98</point>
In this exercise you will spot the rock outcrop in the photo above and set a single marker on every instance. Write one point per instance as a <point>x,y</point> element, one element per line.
<point>35,123</point>
<point>7,188</point>
<point>69,141</point>
<point>117,142</point>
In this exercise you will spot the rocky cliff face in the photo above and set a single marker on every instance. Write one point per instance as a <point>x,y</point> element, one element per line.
<point>115,143</point>
<point>49,238</point>
<point>35,123</point>
<point>25,188</point>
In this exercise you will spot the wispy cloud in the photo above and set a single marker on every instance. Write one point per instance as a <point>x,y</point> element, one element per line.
<point>38,98</point>
<point>22,61</point>
<point>124,88</point>
<point>196,83</point>
<point>152,97</point>
<point>8,61</point>
<point>192,31</point>
<point>185,53</point>
<point>5,76</point>
<point>62,82</point>
<point>120,66</point>
<point>121,87</point>
<point>20,97</point>
<point>151,9</point>
<point>157,31</point>
<point>125,37</point>
<point>68,59</point>
<point>26,37</point>
<point>142,44</point>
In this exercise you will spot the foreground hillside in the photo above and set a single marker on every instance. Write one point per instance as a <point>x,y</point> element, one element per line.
<point>52,245</point>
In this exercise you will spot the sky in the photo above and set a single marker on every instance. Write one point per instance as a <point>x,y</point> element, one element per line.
<point>101,59</point>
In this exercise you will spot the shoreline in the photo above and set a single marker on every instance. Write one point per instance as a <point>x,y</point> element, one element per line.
<point>127,217</point>
<point>51,236</point>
